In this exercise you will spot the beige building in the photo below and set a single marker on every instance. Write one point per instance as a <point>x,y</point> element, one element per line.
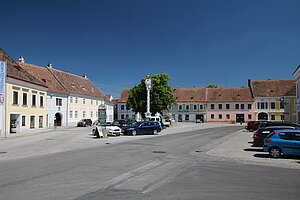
<point>25,104</point>
<point>274,99</point>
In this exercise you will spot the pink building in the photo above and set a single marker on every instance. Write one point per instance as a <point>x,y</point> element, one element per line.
<point>229,105</point>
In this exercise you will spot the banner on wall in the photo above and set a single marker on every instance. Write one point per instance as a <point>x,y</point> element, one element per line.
<point>2,82</point>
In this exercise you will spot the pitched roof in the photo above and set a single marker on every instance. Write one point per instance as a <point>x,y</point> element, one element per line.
<point>273,88</point>
<point>77,84</point>
<point>124,96</point>
<point>189,94</point>
<point>44,75</point>
<point>14,70</point>
<point>229,95</point>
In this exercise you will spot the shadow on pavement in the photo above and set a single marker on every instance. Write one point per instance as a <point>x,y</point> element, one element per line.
<point>257,150</point>
<point>260,155</point>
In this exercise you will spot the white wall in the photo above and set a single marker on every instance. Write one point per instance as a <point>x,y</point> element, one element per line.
<point>52,109</point>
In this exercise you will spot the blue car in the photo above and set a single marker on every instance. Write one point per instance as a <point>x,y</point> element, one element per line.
<point>286,142</point>
<point>142,128</point>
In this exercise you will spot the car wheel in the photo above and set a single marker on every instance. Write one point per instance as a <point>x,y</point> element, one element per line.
<point>155,132</point>
<point>275,152</point>
<point>250,130</point>
<point>134,132</point>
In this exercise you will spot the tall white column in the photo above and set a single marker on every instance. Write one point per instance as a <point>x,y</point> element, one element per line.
<point>148,87</point>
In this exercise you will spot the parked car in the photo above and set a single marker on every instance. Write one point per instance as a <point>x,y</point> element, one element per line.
<point>253,125</point>
<point>111,128</point>
<point>266,124</point>
<point>142,128</point>
<point>85,122</point>
<point>124,123</point>
<point>262,133</point>
<point>286,142</point>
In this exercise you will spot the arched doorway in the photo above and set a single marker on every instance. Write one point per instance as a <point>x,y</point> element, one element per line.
<point>57,119</point>
<point>262,116</point>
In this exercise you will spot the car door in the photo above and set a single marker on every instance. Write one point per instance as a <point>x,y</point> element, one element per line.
<point>285,142</point>
<point>295,143</point>
<point>143,128</point>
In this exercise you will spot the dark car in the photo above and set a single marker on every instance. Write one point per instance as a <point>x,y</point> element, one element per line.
<point>253,125</point>
<point>267,124</point>
<point>262,133</point>
<point>142,128</point>
<point>85,122</point>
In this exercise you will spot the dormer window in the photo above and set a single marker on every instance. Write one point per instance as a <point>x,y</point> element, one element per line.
<point>73,85</point>
<point>44,80</point>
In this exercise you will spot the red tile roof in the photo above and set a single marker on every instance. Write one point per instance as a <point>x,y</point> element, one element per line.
<point>44,75</point>
<point>229,95</point>
<point>77,84</point>
<point>124,96</point>
<point>273,88</point>
<point>14,70</point>
<point>189,94</point>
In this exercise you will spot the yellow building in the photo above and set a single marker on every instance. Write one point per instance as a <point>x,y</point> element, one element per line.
<point>25,104</point>
<point>274,99</point>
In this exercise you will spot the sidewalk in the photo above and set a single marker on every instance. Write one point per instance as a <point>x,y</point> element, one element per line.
<point>238,148</point>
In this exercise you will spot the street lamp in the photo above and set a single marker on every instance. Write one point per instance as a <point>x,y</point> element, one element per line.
<point>148,87</point>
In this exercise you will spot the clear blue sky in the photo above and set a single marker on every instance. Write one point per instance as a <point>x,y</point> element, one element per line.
<point>118,42</point>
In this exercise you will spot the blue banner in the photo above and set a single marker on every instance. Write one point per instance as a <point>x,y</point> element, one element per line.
<point>2,81</point>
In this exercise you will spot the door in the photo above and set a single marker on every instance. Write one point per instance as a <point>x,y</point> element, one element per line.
<point>295,143</point>
<point>240,118</point>
<point>57,119</point>
<point>14,123</point>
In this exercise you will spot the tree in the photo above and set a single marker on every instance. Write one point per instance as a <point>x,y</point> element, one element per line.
<point>160,95</point>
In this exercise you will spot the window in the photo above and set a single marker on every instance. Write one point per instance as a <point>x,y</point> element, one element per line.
<point>227,106</point>
<point>180,107</point>
<point>83,114</point>
<point>220,116</point>
<point>58,102</point>
<point>91,114</point>
<point>212,116</point>
<point>212,106</point>
<point>41,101</point>
<point>195,107</point>
<point>220,106</point>
<point>258,105</point>
<point>187,117</point>
<point>122,116</point>
<point>25,99</point>
<point>201,107</point>
<point>122,107</point>
<point>97,102</point>
<point>266,105</point>
<point>41,119</point>
<point>92,101</point>
<point>71,99</point>
<point>242,106</point>
<point>281,105</point>
<point>33,103</point>
<point>76,114</point>
<point>249,106</point>
<point>23,120</point>
<point>187,107</point>
<point>83,100</point>
<point>262,105</point>
<point>32,122</point>
<point>71,114</point>
<point>249,115</point>
<point>15,97</point>
<point>76,100</point>
<point>284,136</point>
<point>227,116</point>
<point>296,136</point>
<point>237,106</point>
<point>282,117</point>
<point>273,105</point>
<point>272,117</point>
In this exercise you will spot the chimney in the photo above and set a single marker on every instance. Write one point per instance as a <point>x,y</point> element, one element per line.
<point>21,59</point>
<point>84,76</point>
<point>49,65</point>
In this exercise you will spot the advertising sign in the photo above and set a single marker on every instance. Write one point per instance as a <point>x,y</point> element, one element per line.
<point>2,82</point>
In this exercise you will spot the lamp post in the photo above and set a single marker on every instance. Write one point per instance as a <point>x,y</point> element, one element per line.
<point>148,87</point>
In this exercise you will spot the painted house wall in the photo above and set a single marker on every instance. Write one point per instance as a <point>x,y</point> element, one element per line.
<point>53,108</point>
<point>188,111</point>
<point>284,112</point>
<point>215,114</point>
<point>123,113</point>
<point>24,112</point>
<point>81,107</point>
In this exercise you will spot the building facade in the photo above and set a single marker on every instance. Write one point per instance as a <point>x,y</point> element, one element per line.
<point>232,105</point>
<point>274,99</point>
<point>123,112</point>
<point>296,75</point>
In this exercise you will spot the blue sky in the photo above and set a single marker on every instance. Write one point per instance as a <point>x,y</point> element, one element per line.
<point>118,42</point>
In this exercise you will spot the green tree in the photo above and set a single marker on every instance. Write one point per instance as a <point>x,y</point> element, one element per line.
<point>160,95</point>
